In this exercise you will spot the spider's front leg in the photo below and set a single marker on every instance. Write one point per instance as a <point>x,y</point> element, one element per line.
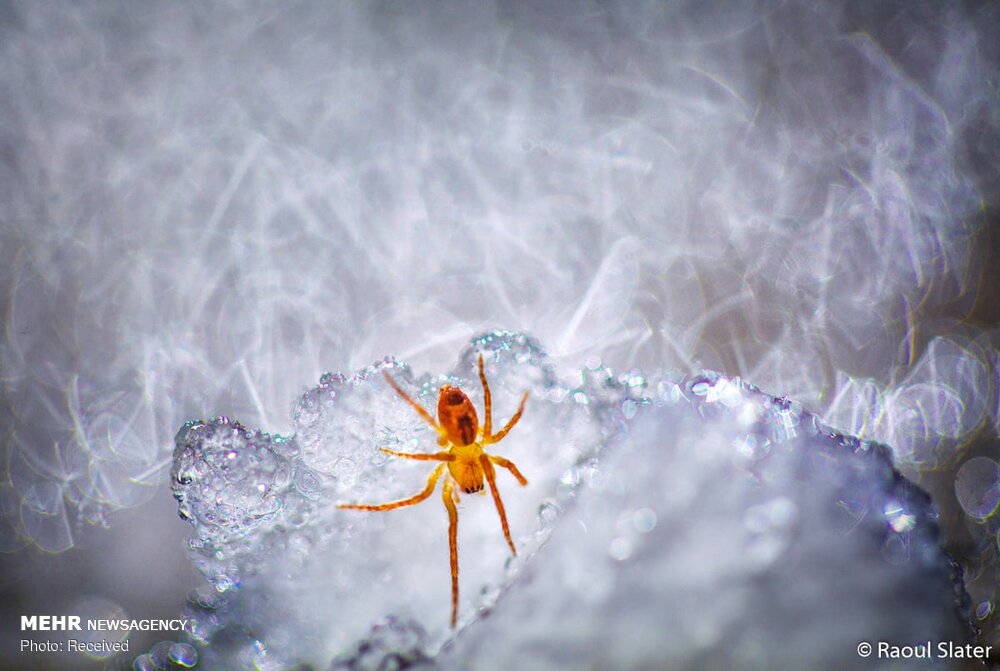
<point>502,433</point>
<point>419,409</point>
<point>487,401</point>
<point>420,456</point>
<point>413,500</point>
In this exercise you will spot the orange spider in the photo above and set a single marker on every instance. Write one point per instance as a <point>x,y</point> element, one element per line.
<point>463,439</point>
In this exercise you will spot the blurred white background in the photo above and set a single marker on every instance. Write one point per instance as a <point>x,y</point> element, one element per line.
<point>204,207</point>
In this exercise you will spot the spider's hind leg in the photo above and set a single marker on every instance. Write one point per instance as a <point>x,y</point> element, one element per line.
<point>448,494</point>
<point>491,478</point>
<point>509,465</point>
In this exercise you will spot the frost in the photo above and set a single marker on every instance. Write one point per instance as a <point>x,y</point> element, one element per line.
<point>694,549</point>
<point>692,520</point>
<point>268,531</point>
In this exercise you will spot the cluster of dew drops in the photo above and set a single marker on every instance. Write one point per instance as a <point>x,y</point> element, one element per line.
<point>229,479</point>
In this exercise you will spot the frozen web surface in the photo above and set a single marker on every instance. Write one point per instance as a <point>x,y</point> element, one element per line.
<point>692,520</point>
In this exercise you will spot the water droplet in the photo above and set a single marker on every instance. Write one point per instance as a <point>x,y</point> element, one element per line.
<point>977,487</point>
<point>620,548</point>
<point>98,608</point>
<point>628,408</point>
<point>984,609</point>
<point>184,655</point>
<point>635,379</point>
<point>307,483</point>
<point>765,548</point>
<point>224,583</point>
<point>753,446</point>
<point>143,663</point>
<point>548,513</point>
<point>571,477</point>
<point>896,549</point>
<point>159,654</point>
<point>668,391</point>
<point>779,512</point>
<point>897,516</point>
<point>203,597</point>
<point>644,520</point>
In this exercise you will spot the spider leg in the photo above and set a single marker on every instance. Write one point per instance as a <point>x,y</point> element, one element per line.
<point>510,425</point>
<point>487,400</point>
<point>413,500</point>
<point>413,404</point>
<point>492,479</point>
<point>449,502</point>
<point>437,456</point>
<point>509,465</point>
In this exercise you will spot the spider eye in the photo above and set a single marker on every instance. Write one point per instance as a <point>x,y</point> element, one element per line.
<point>456,398</point>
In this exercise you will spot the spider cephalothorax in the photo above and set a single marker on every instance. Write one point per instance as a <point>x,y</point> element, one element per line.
<point>468,464</point>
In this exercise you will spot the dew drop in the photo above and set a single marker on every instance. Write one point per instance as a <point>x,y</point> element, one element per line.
<point>896,550</point>
<point>183,655</point>
<point>143,663</point>
<point>977,487</point>
<point>644,520</point>
<point>620,548</point>
<point>548,513</point>
<point>897,516</point>
<point>159,654</point>
<point>984,609</point>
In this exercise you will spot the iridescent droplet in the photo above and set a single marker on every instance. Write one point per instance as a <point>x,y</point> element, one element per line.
<point>143,663</point>
<point>184,655</point>
<point>899,519</point>
<point>159,654</point>
<point>224,584</point>
<point>984,609</point>
<point>668,391</point>
<point>701,388</point>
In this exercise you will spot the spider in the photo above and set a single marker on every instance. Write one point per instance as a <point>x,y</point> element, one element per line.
<point>463,439</point>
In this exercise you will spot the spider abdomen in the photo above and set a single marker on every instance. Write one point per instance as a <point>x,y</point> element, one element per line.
<point>468,474</point>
